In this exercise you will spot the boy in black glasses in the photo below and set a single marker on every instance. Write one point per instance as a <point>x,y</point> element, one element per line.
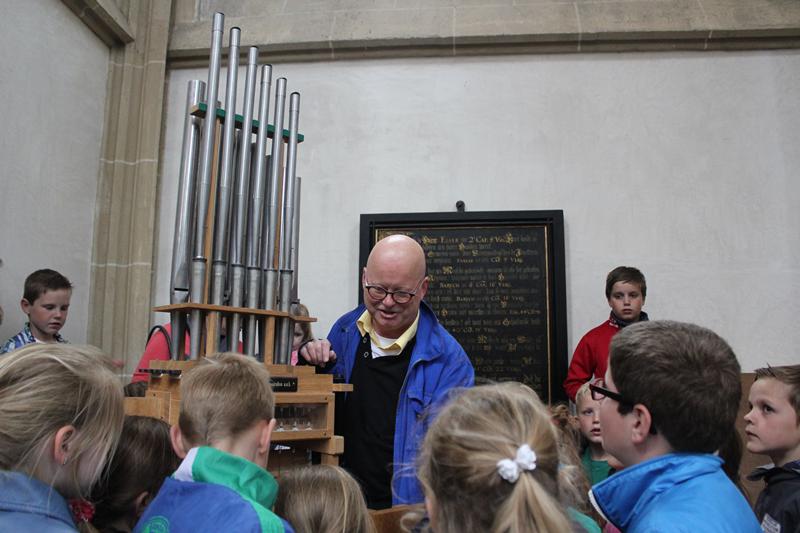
<point>668,401</point>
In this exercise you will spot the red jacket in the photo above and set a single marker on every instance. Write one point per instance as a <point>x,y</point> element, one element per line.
<point>590,359</point>
<point>157,349</point>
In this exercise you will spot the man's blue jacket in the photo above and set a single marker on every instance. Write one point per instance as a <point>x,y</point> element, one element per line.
<point>438,364</point>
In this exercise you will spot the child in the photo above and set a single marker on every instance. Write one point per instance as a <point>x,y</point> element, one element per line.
<point>490,463</point>
<point>144,458</point>
<point>302,330</point>
<point>626,290</point>
<point>157,349</point>
<point>669,400</point>
<point>773,429</point>
<point>60,419</point>
<point>573,483</point>
<point>46,302</point>
<point>594,457</point>
<point>569,435</point>
<point>322,499</point>
<point>223,435</point>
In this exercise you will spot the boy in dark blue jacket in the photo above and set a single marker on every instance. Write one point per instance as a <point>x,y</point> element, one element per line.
<point>773,429</point>
<point>223,435</point>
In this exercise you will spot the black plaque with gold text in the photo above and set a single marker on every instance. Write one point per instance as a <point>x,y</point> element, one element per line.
<point>497,283</point>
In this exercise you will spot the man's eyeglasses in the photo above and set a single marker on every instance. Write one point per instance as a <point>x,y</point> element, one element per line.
<point>378,293</point>
<point>599,392</point>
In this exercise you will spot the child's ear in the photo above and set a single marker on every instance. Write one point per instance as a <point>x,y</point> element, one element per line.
<point>643,421</point>
<point>265,437</point>
<point>430,508</point>
<point>140,504</point>
<point>178,444</point>
<point>25,305</point>
<point>62,444</point>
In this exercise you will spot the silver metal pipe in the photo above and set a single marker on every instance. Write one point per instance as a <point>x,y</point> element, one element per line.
<point>236,207</point>
<point>283,343</point>
<point>207,146</point>
<point>235,320</point>
<point>271,222</point>
<point>271,288</point>
<point>289,175</point>
<point>243,178</point>
<point>229,295</point>
<point>242,186</point>
<point>196,319</point>
<point>182,237</point>
<point>295,239</point>
<point>219,265</point>
<point>182,243</point>
<point>237,269</point>
<point>251,329</point>
<point>283,339</point>
<point>225,182</point>
<point>204,187</point>
<point>255,219</point>
<point>259,183</point>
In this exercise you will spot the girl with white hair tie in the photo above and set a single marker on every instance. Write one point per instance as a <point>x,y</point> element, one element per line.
<point>490,463</point>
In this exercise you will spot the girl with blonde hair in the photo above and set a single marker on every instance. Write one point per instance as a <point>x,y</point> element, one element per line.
<point>490,462</point>
<point>60,419</point>
<point>322,499</point>
<point>302,330</point>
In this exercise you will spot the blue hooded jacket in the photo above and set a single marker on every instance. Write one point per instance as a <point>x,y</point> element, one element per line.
<point>677,492</point>
<point>438,364</point>
<point>214,491</point>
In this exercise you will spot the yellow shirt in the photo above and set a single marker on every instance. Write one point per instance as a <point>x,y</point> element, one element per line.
<point>387,346</point>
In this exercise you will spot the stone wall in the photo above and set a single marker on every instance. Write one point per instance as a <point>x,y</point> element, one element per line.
<point>338,29</point>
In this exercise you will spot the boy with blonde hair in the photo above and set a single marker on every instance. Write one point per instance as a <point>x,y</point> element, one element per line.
<point>594,458</point>
<point>773,429</point>
<point>223,435</point>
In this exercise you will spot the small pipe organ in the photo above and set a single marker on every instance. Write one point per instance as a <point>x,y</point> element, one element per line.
<point>238,207</point>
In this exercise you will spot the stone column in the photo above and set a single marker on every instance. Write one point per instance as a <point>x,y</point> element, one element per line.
<point>123,250</point>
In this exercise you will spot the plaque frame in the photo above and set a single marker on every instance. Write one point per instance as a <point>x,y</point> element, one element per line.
<point>371,225</point>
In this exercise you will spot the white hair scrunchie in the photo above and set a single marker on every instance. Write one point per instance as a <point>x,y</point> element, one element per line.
<point>510,469</point>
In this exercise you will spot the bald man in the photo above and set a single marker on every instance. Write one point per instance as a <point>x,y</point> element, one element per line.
<point>400,361</point>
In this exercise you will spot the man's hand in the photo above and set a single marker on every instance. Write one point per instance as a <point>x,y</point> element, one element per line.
<point>318,352</point>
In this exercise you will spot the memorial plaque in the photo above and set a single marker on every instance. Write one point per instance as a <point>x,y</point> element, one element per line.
<point>497,284</point>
